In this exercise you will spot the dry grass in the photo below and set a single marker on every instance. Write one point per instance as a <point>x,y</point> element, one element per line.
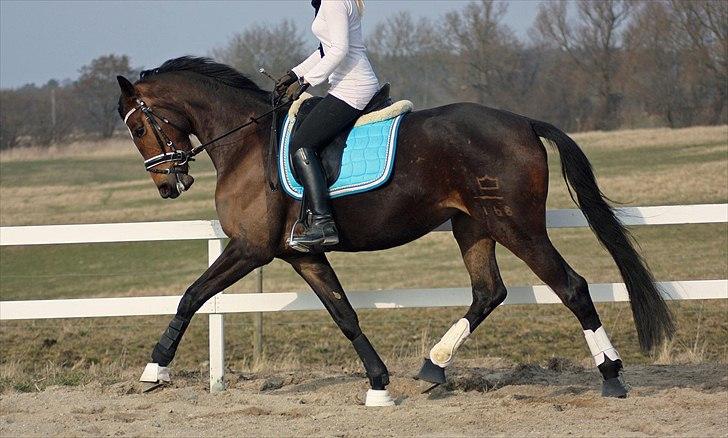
<point>629,138</point>
<point>116,147</point>
<point>686,351</point>
<point>669,187</point>
<point>119,146</point>
<point>672,353</point>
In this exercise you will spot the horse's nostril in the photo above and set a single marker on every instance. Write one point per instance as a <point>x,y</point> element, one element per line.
<point>165,191</point>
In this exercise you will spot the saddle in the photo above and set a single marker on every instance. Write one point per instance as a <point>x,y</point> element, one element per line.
<point>331,154</point>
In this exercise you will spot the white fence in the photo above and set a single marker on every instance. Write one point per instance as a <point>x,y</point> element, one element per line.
<point>274,302</point>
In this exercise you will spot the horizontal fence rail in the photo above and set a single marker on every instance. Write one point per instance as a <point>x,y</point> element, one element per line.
<point>211,231</point>
<point>292,301</point>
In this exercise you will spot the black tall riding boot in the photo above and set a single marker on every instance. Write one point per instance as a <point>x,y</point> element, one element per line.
<point>319,226</point>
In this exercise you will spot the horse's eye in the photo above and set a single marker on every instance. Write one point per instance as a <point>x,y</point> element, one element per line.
<point>139,132</point>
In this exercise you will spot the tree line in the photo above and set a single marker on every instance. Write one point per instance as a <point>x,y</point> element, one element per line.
<point>584,65</point>
<point>57,112</point>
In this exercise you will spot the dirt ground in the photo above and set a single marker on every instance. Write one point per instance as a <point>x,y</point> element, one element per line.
<point>483,397</point>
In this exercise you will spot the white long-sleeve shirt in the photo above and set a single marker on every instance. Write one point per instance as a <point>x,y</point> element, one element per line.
<point>338,27</point>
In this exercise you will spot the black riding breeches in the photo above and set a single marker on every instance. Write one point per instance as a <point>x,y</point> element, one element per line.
<point>329,118</point>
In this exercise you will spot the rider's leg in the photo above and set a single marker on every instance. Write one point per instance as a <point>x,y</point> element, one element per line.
<point>325,121</point>
<point>320,227</point>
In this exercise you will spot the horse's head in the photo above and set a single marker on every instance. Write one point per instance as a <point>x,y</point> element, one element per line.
<point>162,137</point>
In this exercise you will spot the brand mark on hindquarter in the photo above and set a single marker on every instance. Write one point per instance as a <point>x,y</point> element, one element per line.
<point>486,182</point>
<point>488,186</point>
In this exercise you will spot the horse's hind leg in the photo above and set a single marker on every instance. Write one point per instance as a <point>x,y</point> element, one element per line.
<point>478,251</point>
<point>318,273</point>
<point>540,255</point>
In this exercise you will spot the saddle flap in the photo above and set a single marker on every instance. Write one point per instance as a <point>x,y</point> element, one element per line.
<point>367,161</point>
<point>380,108</point>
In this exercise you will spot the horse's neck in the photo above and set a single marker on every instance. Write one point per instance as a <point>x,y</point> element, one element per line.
<point>220,115</point>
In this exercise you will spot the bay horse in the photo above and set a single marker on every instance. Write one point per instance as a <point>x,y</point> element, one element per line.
<point>484,169</point>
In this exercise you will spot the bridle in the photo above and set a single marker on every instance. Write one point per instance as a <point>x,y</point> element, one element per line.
<point>168,151</point>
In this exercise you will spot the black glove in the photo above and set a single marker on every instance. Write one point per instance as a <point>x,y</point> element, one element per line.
<point>295,90</point>
<point>283,83</point>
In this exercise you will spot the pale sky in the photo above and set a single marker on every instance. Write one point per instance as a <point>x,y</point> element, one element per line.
<point>43,40</point>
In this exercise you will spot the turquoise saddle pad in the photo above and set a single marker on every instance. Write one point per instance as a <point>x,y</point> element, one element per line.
<point>366,164</point>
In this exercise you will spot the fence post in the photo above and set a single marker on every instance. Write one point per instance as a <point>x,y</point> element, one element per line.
<point>216,329</point>
<point>258,321</point>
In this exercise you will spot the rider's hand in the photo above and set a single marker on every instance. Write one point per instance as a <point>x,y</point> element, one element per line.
<point>283,83</point>
<point>294,91</point>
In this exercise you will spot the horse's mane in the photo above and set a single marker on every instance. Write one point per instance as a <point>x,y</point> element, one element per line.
<point>207,67</point>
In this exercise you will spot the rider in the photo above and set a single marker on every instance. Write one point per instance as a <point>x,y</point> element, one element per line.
<point>341,57</point>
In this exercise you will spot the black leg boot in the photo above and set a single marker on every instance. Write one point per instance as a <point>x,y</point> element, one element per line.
<point>319,226</point>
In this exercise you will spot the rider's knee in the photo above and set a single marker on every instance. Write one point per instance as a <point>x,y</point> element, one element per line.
<point>296,144</point>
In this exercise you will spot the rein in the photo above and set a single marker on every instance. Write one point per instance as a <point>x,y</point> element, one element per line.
<point>180,157</point>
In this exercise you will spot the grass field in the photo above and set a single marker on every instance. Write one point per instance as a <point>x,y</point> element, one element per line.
<point>106,182</point>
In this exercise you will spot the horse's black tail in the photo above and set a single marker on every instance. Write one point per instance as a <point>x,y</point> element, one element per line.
<point>651,315</point>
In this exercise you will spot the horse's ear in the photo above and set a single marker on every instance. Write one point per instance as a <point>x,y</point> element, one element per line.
<point>127,88</point>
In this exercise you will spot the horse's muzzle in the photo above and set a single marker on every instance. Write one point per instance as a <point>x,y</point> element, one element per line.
<point>175,185</point>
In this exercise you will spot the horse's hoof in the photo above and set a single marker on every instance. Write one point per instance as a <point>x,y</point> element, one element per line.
<point>154,376</point>
<point>614,387</point>
<point>378,397</point>
<point>151,386</point>
<point>431,373</point>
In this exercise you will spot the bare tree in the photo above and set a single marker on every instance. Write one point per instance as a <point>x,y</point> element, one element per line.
<point>37,115</point>
<point>655,76</point>
<point>11,120</point>
<point>410,55</point>
<point>98,92</point>
<point>592,43</point>
<point>704,26</point>
<point>489,54</point>
<point>277,48</point>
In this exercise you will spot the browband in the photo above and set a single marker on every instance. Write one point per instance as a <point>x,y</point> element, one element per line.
<point>131,111</point>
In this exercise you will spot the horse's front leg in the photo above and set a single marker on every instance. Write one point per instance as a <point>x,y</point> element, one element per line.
<point>236,261</point>
<point>319,274</point>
